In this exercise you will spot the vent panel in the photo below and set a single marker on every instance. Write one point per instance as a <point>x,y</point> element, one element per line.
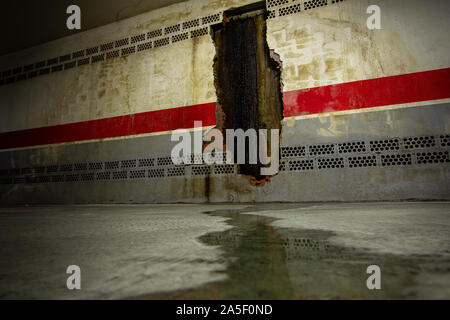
<point>300,165</point>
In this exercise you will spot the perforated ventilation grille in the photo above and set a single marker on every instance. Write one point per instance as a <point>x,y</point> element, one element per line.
<point>419,142</point>
<point>72,177</point>
<point>69,65</point>
<point>64,58</point>
<point>138,38</point>
<point>161,42</point>
<point>296,151</point>
<point>224,169</point>
<point>301,165</point>
<point>284,11</point>
<point>164,161</point>
<point>180,37</point>
<point>383,145</point>
<point>80,166</point>
<point>273,3</point>
<point>314,4</point>
<point>362,161</point>
<point>87,176</point>
<point>98,58</point>
<point>330,163</point>
<point>175,172</point>
<point>95,165</point>
<point>294,158</point>
<point>43,179</point>
<point>137,174</point>
<point>445,140</point>
<point>214,157</point>
<point>58,178</point>
<point>107,46</point>
<point>128,163</point>
<point>432,157</point>
<point>172,29</point>
<point>321,149</point>
<point>154,34</point>
<point>111,165</point>
<point>78,54</point>
<point>196,158</point>
<point>112,54</point>
<point>120,175</point>
<point>146,162</point>
<point>105,51</point>
<point>351,147</point>
<point>91,51</point>
<point>199,32</point>
<point>52,61</point>
<point>144,46</point>
<point>128,50</point>
<point>191,24</point>
<point>65,167</point>
<point>212,18</point>
<point>201,170</point>
<point>83,61</point>
<point>396,160</point>
<point>156,173</point>
<point>122,42</point>
<point>103,175</point>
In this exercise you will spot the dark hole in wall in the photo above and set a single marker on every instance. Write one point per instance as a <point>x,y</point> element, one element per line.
<point>247,77</point>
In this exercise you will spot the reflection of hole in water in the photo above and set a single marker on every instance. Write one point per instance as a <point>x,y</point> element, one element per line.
<point>302,264</point>
<point>283,263</point>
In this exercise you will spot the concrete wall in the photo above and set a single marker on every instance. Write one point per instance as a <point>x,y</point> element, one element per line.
<point>164,77</point>
<point>397,125</point>
<point>332,44</point>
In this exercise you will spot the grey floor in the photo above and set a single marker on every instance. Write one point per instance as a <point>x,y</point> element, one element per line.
<point>244,251</point>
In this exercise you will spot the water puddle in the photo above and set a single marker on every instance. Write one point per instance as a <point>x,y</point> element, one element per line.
<point>284,263</point>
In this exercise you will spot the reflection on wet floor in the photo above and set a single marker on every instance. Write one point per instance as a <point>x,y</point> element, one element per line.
<point>284,263</point>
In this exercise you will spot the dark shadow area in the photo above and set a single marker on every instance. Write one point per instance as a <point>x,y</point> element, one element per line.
<point>29,23</point>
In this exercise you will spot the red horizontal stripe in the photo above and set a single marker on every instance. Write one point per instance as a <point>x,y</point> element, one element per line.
<point>406,88</point>
<point>146,122</point>
<point>414,87</point>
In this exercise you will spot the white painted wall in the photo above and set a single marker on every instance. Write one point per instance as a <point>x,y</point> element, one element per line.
<point>318,47</point>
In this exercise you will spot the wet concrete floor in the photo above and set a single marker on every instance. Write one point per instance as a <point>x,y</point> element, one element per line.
<point>248,251</point>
